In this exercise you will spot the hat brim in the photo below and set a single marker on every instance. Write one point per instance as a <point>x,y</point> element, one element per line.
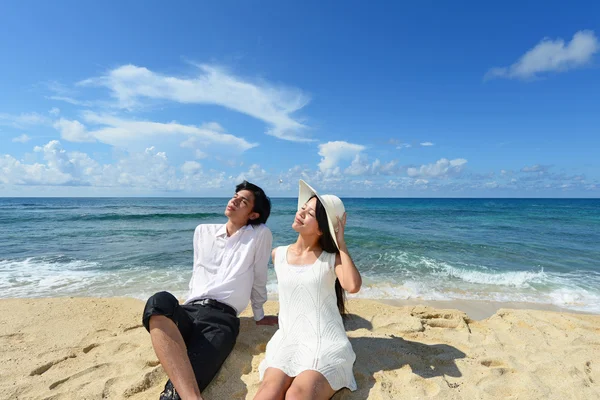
<point>304,194</point>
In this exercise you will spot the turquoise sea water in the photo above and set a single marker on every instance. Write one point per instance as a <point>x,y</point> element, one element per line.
<point>532,250</point>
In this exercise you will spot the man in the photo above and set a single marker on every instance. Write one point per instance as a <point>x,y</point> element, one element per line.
<point>193,340</point>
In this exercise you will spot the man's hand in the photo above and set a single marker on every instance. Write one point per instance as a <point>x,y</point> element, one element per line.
<point>268,320</point>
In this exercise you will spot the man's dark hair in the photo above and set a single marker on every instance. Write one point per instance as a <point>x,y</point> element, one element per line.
<point>262,203</point>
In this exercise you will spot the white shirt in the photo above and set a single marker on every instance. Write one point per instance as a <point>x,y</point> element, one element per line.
<point>232,270</point>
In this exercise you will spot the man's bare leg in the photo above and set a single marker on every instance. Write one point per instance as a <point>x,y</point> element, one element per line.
<point>172,353</point>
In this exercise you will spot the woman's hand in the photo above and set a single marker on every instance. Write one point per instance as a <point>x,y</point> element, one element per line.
<point>339,230</point>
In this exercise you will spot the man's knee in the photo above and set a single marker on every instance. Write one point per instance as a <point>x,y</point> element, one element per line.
<point>159,304</point>
<point>159,321</point>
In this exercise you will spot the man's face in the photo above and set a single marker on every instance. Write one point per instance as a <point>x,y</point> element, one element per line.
<point>239,208</point>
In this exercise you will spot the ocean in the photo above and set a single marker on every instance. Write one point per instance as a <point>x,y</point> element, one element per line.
<point>543,251</point>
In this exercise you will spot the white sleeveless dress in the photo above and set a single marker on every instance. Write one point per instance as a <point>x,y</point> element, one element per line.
<point>311,333</point>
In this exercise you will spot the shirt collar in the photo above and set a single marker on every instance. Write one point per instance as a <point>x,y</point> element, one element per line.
<point>222,231</point>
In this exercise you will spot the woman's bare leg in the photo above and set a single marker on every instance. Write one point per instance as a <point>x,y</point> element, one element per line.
<point>274,385</point>
<point>310,385</point>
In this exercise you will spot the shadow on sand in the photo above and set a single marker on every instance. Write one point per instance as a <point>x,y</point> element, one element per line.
<point>373,355</point>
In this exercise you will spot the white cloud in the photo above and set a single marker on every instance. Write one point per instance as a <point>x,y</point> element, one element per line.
<point>425,144</point>
<point>147,170</point>
<point>388,167</point>
<point>443,168</point>
<point>199,154</point>
<point>56,157</point>
<point>551,56</point>
<point>403,146</point>
<point>54,111</point>
<point>21,139</point>
<point>151,171</point>
<point>403,183</point>
<point>334,152</point>
<point>190,167</point>
<point>73,131</point>
<point>361,166</point>
<point>195,178</point>
<point>60,168</point>
<point>212,85</point>
<point>14,172</point>
<point>255,173</point>
<point>120,132</point>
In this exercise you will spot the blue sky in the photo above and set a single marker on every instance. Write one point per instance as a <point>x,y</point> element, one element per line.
<point>418,99</point>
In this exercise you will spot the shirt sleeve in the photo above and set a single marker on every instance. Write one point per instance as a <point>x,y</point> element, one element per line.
<point>196,243</point>
<point>258,297</point>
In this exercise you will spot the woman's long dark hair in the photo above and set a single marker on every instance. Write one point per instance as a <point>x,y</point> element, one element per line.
<point>327,244</point>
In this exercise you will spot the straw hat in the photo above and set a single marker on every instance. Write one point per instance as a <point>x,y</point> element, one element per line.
<point>334,207</point>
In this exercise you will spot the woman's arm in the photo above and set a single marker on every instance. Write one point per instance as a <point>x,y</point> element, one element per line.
<point>345,269</point>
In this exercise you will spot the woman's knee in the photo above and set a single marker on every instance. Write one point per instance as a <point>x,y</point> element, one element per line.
<point>296,393</point>
<point>270,390</point>
<point>309,386</point>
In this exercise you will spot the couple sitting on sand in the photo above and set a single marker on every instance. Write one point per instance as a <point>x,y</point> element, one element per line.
<point>310,356</point>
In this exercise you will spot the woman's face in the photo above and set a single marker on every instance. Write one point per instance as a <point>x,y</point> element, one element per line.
<point>306,219</point>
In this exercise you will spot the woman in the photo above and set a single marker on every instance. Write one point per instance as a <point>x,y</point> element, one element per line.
<point>310,356</point>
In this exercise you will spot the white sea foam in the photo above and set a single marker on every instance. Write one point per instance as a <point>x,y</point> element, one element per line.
<point>60,276</point>
<point>432,280</point>
<point>574,298</point>
<point>510,278</point>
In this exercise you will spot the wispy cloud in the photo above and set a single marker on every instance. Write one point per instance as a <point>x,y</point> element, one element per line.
<point>401,146</point>
<point>426,144</point>
<point>273,104</point>
<point>73,101</point>
<point>23,120</point>
<point>66,94</point>
<point>21,139</point>
<point>536,168</point>
<point>551,56</point>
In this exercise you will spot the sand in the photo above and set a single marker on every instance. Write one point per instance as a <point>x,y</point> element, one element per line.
<point>89,348</point>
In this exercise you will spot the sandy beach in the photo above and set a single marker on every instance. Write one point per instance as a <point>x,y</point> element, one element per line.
<point>91,348</point>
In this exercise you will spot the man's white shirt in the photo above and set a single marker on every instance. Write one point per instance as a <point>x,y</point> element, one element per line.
<point>232,270</point>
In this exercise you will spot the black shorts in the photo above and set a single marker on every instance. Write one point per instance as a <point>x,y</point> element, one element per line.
<point>209,333</point>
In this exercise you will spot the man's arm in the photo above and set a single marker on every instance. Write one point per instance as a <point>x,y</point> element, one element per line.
<point>258,296</point>
<point>195,245</point>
